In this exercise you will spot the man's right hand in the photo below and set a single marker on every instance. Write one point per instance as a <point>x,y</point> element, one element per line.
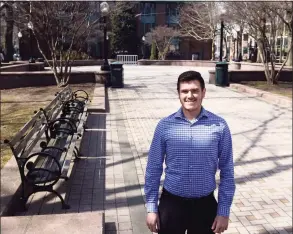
<point>153,222</point>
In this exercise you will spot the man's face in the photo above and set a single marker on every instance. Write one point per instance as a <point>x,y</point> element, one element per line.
<point>191,95</point>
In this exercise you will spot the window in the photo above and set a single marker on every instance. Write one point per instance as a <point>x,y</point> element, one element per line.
<point>285,41</point>
<point>172,9</point>
<point>172,14</point>
<point>174,45</point>
<point>245,37</point>
<point>148,17</point>
<point>147,8</point>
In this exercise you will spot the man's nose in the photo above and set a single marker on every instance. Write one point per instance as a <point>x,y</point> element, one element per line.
<point>189,94</point>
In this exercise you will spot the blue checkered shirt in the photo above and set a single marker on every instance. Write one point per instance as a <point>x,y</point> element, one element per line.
<point>192,152</point>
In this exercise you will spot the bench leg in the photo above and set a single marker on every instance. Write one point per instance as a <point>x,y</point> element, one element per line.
<point>23,203</point>
<point>77,153</point>
<point>26,192</point>
<point>64,177</point>
<point>64,205</point>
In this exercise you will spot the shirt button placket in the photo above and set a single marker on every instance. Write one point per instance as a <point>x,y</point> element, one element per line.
<point>190,160</point>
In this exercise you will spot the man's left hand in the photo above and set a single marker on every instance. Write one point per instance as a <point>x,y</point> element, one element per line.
<point>220,224</point>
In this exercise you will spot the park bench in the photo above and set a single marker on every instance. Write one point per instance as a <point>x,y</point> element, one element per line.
<point>62,124</point>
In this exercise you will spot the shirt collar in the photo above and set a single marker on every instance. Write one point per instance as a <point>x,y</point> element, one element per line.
<point>203,112</point>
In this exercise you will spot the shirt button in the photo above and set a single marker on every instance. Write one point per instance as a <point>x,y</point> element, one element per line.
<point>190,166</point>
<point>189,180</point>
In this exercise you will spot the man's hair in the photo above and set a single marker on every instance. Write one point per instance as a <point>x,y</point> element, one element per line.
<point>189,76</point>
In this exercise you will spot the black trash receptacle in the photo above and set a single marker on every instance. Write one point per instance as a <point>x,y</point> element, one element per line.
<point>222,78</point>
<point>117,75</point>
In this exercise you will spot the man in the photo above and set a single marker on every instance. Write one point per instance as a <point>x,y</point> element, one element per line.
<point>193,142</point>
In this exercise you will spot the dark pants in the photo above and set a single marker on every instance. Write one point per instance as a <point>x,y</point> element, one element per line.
<point>178,214</point>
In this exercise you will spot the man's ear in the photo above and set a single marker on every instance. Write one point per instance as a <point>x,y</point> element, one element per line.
<point>204,93</point>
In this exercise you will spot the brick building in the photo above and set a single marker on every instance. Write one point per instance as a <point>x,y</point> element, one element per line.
<point>152,14</point>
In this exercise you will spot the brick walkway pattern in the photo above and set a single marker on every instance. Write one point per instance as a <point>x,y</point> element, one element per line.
<point>262,143</point>
<point>111,176</point>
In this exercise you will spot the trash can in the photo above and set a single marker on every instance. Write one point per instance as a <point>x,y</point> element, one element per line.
<point>222,78</point>
<point>117,75</point>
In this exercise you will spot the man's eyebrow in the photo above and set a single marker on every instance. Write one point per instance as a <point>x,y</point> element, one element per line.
<point>190,89</point>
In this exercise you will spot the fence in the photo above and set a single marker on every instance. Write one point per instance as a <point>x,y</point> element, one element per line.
<point>127,59</point>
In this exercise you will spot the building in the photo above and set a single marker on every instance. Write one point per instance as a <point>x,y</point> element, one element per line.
<point>152,14</point>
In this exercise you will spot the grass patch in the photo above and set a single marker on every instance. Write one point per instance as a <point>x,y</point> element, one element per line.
<point>284,88</point>
<point>18,106</point>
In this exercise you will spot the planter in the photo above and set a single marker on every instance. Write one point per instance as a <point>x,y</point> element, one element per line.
<point>235,66</point>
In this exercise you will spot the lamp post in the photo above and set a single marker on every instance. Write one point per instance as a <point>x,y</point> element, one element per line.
<point>143,48</point>
<point>31,27</point>
<point>19,34</point>
<point>223,11</point>
<point>104,8</point>
<point>250,50</point>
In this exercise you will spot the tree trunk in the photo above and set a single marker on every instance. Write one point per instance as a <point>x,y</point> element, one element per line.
<point>258,58</point>
<point>213,49</point>
<point>290,55</point>
<point>262,54</point>
<point>290,59</point>
<point>9,35</point>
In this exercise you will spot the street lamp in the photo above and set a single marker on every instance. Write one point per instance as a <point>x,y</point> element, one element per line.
<point>31,27</point>
<point>143,48</point>
<point>104,8</point>
<point>19,34</point>
<point>223,11</point>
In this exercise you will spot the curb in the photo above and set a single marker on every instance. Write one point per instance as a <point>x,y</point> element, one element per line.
<point>267,96</point>
<point>98,102</point>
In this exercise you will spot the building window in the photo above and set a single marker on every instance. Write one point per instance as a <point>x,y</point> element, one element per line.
<point>172,14</point>
<point>147,8</point>
<point>148,16</point>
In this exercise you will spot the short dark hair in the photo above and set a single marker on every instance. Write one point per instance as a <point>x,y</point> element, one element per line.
<point>189,76</point>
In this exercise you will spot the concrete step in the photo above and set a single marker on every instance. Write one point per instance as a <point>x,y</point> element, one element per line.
<point>87,222</point>
<point>98,103</point>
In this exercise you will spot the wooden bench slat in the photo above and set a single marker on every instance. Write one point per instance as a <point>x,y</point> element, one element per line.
<point>31,134</point>
<point>34,119</point>
<point>26,127</point>
<point>24,142</point>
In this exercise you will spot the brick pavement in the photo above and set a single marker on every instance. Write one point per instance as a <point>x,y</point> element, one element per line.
<point>111,177</point>
<point>261,136</point>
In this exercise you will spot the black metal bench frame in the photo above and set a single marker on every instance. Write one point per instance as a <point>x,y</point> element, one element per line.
<point>54,158</point>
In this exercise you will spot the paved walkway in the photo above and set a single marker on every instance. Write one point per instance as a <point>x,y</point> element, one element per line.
<point>111,177</point>
<point>262,137</point>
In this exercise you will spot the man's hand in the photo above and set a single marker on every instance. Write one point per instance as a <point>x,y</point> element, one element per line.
<point>153,222</point>
<point>220,224</point>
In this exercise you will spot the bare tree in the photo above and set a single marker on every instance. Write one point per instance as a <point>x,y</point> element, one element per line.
<point>60,27</point>
<point>199,20</point>
<point>263,26</point>
<point>162,36</point>
<point>284,11</point>
<point>6,15</point>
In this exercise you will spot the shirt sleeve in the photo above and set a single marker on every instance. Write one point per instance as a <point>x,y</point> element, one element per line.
<point>154,169</point>
<point>226,166</point>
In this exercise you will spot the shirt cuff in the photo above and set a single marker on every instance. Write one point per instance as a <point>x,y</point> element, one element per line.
<point>152,207</point>
<point>223,211</point>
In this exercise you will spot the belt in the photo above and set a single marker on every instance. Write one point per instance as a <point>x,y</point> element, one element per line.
<point>165,192</point>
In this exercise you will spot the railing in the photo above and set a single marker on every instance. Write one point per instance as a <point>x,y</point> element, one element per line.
<point>127,59</point>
